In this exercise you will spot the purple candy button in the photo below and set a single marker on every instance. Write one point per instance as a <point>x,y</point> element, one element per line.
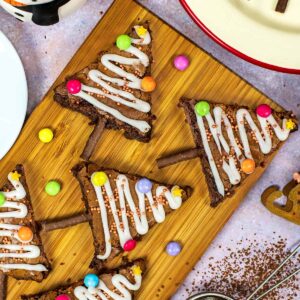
<point>173,248</point>
<point>144,185</point>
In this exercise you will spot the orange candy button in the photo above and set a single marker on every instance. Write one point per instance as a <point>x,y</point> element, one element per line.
<point>248,166</point>
<point>148,84</point>
<point>25,234</point>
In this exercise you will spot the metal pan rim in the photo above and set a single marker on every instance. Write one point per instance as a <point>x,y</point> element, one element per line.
<point>209,294</point>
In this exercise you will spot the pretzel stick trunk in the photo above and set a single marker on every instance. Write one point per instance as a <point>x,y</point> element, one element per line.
<point>93,140</point>
<point>177,157</point>
<point>3,286</point>
<point>47,226</point>
<point>281,5</point>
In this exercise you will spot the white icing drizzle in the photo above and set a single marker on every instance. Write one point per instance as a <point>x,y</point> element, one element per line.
<point>128,79</point>
<point>120,282</point>
<point>139,215</point>
<point>215,127</point>
<point>19,211</point>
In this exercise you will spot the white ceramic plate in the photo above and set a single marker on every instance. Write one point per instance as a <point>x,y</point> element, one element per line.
<point>252,29</point>
<point>13,95</point>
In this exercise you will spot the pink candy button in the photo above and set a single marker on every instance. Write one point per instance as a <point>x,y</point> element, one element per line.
<point>74,86</point>
<point>63,297</point>
<point>264,110</point>
<point>129,245</point>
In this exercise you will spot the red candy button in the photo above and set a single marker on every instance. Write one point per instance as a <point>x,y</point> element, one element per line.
<point>129,245</point>
<point>263,110</point>
<point>74,86</point>
<point>63,297</point>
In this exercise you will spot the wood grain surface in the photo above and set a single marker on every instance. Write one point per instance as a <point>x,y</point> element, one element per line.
<point>195,224</point>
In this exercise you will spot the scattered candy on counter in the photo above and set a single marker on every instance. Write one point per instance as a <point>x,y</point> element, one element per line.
<point>202,108</point>
<point>74,86</point>
<point>264,110</point>
<point>129,245</point>
<point>123,42</point>
<point>248,166</point>
<point>91,281</point>
<point>173,248</point>
<point>148,84</point>
<point>52,188</point>
<point>63,297</point>
<point>46,135</point>
<point>2,199</point>
<point>181,62</point>
<point>99,178</point>
<point>144,185</point>
<point>25,234</point>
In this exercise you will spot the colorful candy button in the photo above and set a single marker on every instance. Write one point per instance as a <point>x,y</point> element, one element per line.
<point>52,188</point>
<point>144,185</point>
<point>2,199</point>
<point>264,110</point>
<point>46,135</point>
<point>63,297</point>
<point>181,62</point>
<point>74,86</point>
<point>25,234</point>
<point>248,166</point>
<point>99,178</point>
<point>148,84</point>
<point>202,108</point>
<point>91,280</point>
<point>173,248</point>
<point>123,42</point>
<point>129,245</point>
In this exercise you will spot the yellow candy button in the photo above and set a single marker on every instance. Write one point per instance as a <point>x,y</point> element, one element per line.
<point>46,135</point>
<point>99,178</point>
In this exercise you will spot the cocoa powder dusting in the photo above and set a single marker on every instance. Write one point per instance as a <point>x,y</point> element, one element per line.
<point>242,270</point>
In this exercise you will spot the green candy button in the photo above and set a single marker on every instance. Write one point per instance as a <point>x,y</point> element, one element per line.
<point>2,199</point>
<point>52,188</point>
<point>202,108</point>
<point>123,42</point>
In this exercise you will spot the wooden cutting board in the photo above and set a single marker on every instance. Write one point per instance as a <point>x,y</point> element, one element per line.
<point>195,224</point>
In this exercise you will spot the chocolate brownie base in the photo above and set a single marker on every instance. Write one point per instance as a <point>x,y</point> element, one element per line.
<point>30,222</point>
<point>80,105</point>
<point>258,156</point>
<point>104,276</point>
<point>83,174</point>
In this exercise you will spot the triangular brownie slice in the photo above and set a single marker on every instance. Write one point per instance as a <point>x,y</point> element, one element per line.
<point>120,283</point>
<point>123,207</point>
<point>21,250</point>
<point>116,88</point>
<point>233,140</point>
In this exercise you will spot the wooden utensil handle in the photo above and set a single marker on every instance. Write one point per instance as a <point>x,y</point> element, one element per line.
<point>281,5</point>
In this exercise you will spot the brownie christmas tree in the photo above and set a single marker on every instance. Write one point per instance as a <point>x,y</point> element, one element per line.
<point>114,91</point>
<point>21,250</point>
<point>117,284</point>
<point>122,208</point>
<point>232,141</point>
